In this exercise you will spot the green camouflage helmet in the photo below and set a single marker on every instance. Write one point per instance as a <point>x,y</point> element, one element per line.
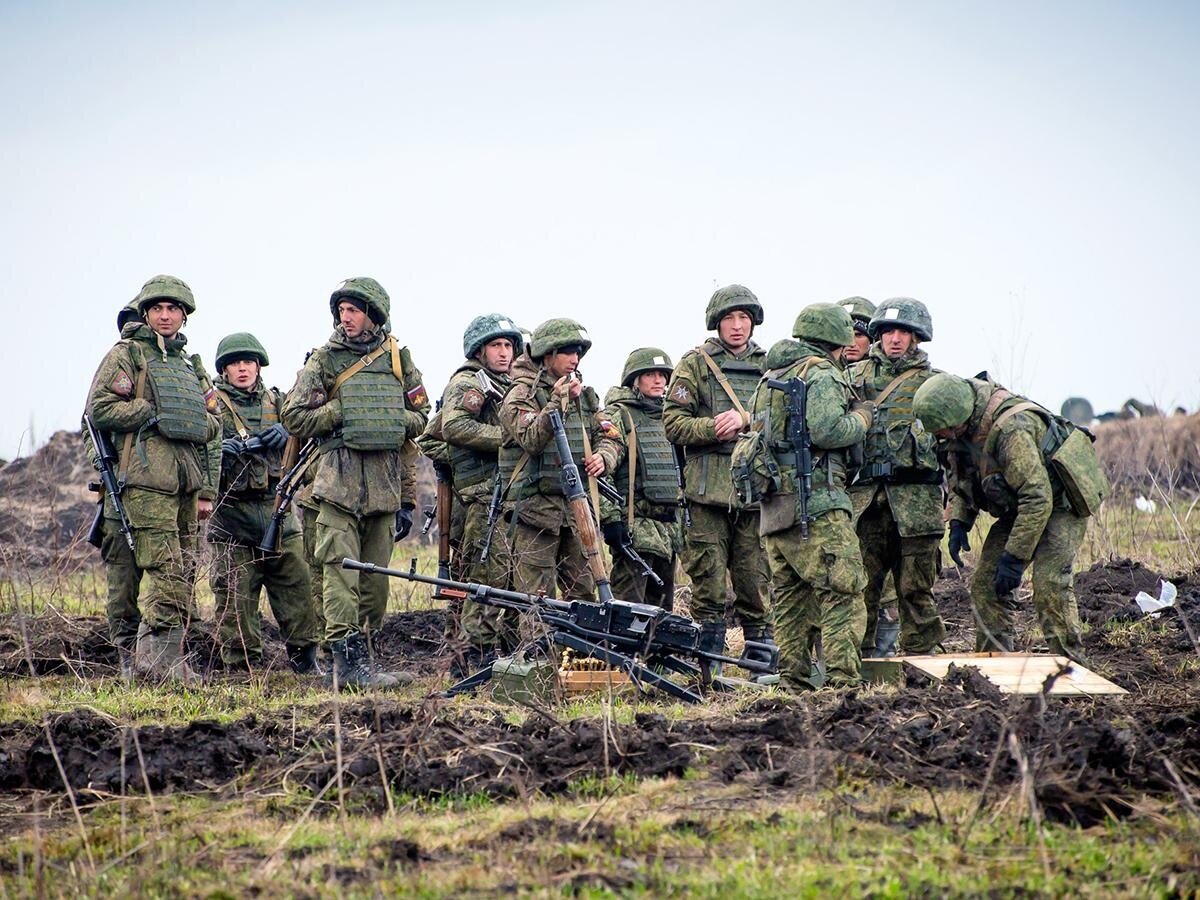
<point>369,292</point>
<point>242,345</point>
<point>643,360</point>
<point>128,313</point>
<point>904,312</point>
<point>493,326</point>
<point>826,322</point>
<point>725,300</point>
<point>1078,411</point>
<point>165,287</point>
<point>944,401</point>
<point>554,334</point>
<point>860,308</point>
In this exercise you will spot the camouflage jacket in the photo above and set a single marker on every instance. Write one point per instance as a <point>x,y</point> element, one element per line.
<point>361,482</point>
<point>914,490</point>
<point>470,419</point>
<point>693,397</point>
<point>154,462</point>
<point>1002,471</point>
<point>524,417</point>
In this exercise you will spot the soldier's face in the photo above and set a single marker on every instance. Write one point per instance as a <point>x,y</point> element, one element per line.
<point>652,384</point>
<point>165,318</point>
<point>735,329</point>
<point>353,319</point>
<point>559,363</point>
<point>857,350</point>
<point>498,355</point>
<point>241,373</point>
<point>896,342</point>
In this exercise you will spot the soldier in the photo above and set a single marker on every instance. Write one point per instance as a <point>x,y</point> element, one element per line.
<point>996,446</point>
<point>250,471</point>
<point>362,396</point>
<point>704,409</point>
<point>861,310</point>
<point>470,427</point>
<point>819,579</point>
<point>648,476</point>
<point>157,405</point>
<point>546,548</point>
<point>897,494</point>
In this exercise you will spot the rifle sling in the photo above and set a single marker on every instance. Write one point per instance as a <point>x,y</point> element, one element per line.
<point>587,452</point>
<point>238,425</point>
<point>388,345</point>
<point>631,438</point>
<point>893,384</point>
<point>139,392</point>
<point>725,385</point>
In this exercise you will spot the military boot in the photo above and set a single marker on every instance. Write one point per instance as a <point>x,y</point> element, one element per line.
<point>303,660</point>
<point>712,640</point>
<point>761,634</point>
<point>887,633</point>
<point>353,668</point>
<point>159,655</point>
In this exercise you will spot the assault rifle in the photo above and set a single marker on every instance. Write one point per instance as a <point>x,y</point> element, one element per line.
<point>295,461</point>
<point>445,501</point>
<point>105,461</point>
<point>684,505</point>
<point>585,521</point>
<point>801,441</point>
<point>493,515</point>
<point>644,641</point>
<point>626,548</point>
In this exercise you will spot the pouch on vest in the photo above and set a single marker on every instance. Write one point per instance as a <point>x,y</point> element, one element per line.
<point>1075,463</point>
<point>753,468</point>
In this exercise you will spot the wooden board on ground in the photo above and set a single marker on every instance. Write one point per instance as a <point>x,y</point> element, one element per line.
<point>1013,673</point>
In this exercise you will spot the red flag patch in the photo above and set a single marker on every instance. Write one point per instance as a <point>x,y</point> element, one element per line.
<point>417,396</point>
<point>608,429</point>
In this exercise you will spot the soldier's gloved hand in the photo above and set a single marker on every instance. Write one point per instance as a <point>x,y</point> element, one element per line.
<point>404,521</point>
<point>233,446</point>
<point>274,437</point>
<point>958,541</point>
<point>865,410</point>
<point>616,533</point>
<point>1009,570</point>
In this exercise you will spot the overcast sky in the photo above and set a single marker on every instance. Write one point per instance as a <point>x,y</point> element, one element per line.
<point>1028,170</point>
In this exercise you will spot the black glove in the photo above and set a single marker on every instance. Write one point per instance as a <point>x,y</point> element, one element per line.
<point>233,446</point>
<point>958,541</point>
<point>274,437</point>
<point>404,521</point>
<point>1009,570</point>
<point>616,533</point>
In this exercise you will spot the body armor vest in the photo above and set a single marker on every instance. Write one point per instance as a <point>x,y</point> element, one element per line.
<point>373,407</point>
<point>656,479</point>
<point>178,398</point>
<point>828,466</point>
<point>743,375</point>
<point>257,472</point>
<point>471,466</point>
<point>542,473</point>
<point>896,450</point>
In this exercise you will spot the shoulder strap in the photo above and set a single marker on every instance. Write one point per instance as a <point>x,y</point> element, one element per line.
<point>1024,406</point>
<point>238,425</point>
<point>359,365</point>
<point>893,384</point>
<point>587,452</point>
<point>631,439</point>
<point>725,385</point>
<point>139,391</point>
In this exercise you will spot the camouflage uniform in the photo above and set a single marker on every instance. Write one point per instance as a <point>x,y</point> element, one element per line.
<point>999,467</point>
<point>239,569</point>
<point>164,475</point>
<point>897,494</point>
<point>818,581</point>
<point>724,534</point>
<point>651,520</point>
<point>546,548</point>
<point>363,424</point>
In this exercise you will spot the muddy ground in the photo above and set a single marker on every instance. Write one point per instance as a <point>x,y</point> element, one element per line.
<point>1089,758</point>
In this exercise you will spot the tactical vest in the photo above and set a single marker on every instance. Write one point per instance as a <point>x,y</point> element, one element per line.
<point>655,479</point>
<point>260,472</point>
<point>542,474</point>
<point>373,406</point>
<point>743,375</point>
<point>471,466</point>
<point>178,398</point>
<point>828,466</point>
<point>896,450</point>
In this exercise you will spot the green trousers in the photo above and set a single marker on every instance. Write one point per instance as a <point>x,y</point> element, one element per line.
<point>818,589</point>
<point>238,576</point>
<point>353,601</point>
<point>543,559</point>
<point>1053,587</point>
<point>722,543</point>
<point>166,545</point>
<point>308,524</point>
<point>630,585</point>
<point>123,578</point>
<point>486,626</point>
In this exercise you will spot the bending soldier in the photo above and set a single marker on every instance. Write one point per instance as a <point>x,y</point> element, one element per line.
<point>361,395</point>
<point>897,494</point>
<point>648,476</point>
<point>545,546</point>
<point>997,448</point>
<point>704,410</point>
<point>157,406</point>
<point>252,451</point>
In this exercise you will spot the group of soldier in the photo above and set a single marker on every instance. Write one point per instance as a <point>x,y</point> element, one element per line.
<point>818,526</point>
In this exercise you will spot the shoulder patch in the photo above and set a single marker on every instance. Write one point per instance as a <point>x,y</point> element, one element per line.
<point>609,430</point>
<point>210,400</point>
<point>316,398</point>
<point>681,393</point>
<point>472,400</point>
<point>417,396</point>
<point>122,385</point>
<point>529,417</point>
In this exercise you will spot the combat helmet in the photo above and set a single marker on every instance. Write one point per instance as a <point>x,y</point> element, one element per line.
<point>554,334</point>
<point>726,299</point>
<point>129,312</point>
<point>165,287</point>
<point>1078,411</point>
<point>367,291</point>
<point>240,345</point>
<point>491,327</point>
<point>825,322</point>
<point>944,401</point>
<point>645,359</point>
<point>861,310</point>
<point>905,312</point>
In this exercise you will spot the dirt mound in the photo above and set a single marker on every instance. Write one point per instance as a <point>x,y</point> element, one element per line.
<point>1106,590</point>
<point>45,506</point>
<point>414,640</point>
<point>56,645</point>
